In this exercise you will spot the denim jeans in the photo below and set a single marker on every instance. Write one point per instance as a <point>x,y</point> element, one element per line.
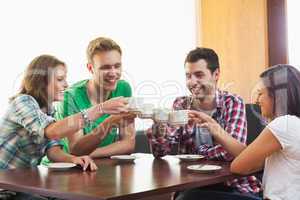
<point>9,195</point>
<point>215,192</point>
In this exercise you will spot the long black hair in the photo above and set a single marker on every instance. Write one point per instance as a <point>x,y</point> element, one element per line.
<point>283,85</point>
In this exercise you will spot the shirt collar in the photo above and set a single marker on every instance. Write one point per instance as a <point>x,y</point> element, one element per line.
<point>219,98</point>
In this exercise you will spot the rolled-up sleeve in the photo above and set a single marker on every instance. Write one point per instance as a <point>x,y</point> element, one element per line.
<point>29,115</point>
<point>52,143</point>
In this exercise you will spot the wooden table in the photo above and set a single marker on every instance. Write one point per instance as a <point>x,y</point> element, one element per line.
<point>144,177</point>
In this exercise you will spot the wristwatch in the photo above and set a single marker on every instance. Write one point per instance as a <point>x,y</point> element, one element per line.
<point>85,117</point>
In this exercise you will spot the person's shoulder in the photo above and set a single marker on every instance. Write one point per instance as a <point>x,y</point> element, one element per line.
<point>123,89</point>
<point>293,118</point>
<point>77,87</point>
<point>181,99</point>
<point>123,83</point>
<point>284,123</point>
<point>231,98</point>
<point>181,102</point>
<point>24,99</point>
<point>287,119</point>
<point>285,128</point>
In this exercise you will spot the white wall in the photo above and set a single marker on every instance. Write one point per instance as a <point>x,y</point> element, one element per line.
<point>293,7</point>
<point>155,36</point>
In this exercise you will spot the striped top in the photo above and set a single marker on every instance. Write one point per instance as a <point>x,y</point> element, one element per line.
<point>22,141</point>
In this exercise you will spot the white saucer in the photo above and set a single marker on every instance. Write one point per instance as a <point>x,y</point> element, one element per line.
<point>125,158</point>
<point>60,166</point>
<point>178,123</point>
<point>134,111</point>
<point>189,157</point>
<point>204,168</point>
<point>145,116</point>
<point>162,121</point>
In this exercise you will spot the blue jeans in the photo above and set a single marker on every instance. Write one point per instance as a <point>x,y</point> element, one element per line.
<point>215,192</point>
<point>8,195</point>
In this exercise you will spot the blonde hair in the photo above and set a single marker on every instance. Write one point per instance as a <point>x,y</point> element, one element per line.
<point>101,44</point>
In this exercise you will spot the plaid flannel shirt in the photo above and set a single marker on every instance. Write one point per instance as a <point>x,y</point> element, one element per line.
<point>230,114</point>
<point>22,140</point>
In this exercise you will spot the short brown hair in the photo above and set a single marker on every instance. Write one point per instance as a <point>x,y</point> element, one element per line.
<point>36,77</point>
<point>101,44</point>
<point>209,55</point>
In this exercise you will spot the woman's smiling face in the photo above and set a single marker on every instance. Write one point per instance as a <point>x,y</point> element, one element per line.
<point>57,83</point>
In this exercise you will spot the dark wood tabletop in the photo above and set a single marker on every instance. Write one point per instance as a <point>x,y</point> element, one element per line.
<point>144,177</point>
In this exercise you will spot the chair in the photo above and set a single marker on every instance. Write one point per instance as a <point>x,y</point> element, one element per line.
<point>141,142</point>
<point>255,123</point>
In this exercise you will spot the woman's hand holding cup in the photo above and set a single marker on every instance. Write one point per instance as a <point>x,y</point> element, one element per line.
<point>205,121</point>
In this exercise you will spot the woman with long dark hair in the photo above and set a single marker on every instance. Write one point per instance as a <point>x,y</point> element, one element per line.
<point>276,149</point>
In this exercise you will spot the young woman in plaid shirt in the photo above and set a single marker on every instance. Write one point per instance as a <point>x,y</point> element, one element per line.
<point>28,130</point>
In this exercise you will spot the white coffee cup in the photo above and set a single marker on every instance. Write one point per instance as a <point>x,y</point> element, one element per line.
<point>147,111</point>
<point>135,103</point>
<point>161,115</point>
<point>179,117</point>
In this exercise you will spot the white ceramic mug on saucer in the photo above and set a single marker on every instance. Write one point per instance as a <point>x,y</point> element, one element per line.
<point>161,115</point>
<point>179,117</point>
<point>135,103</point>
<point>146,111</point>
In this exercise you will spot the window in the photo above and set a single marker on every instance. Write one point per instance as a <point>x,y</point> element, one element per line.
<point>293,16</point>
<point>155,36</point>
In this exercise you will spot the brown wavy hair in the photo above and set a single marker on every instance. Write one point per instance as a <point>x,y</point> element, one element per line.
<point>36,77</point>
